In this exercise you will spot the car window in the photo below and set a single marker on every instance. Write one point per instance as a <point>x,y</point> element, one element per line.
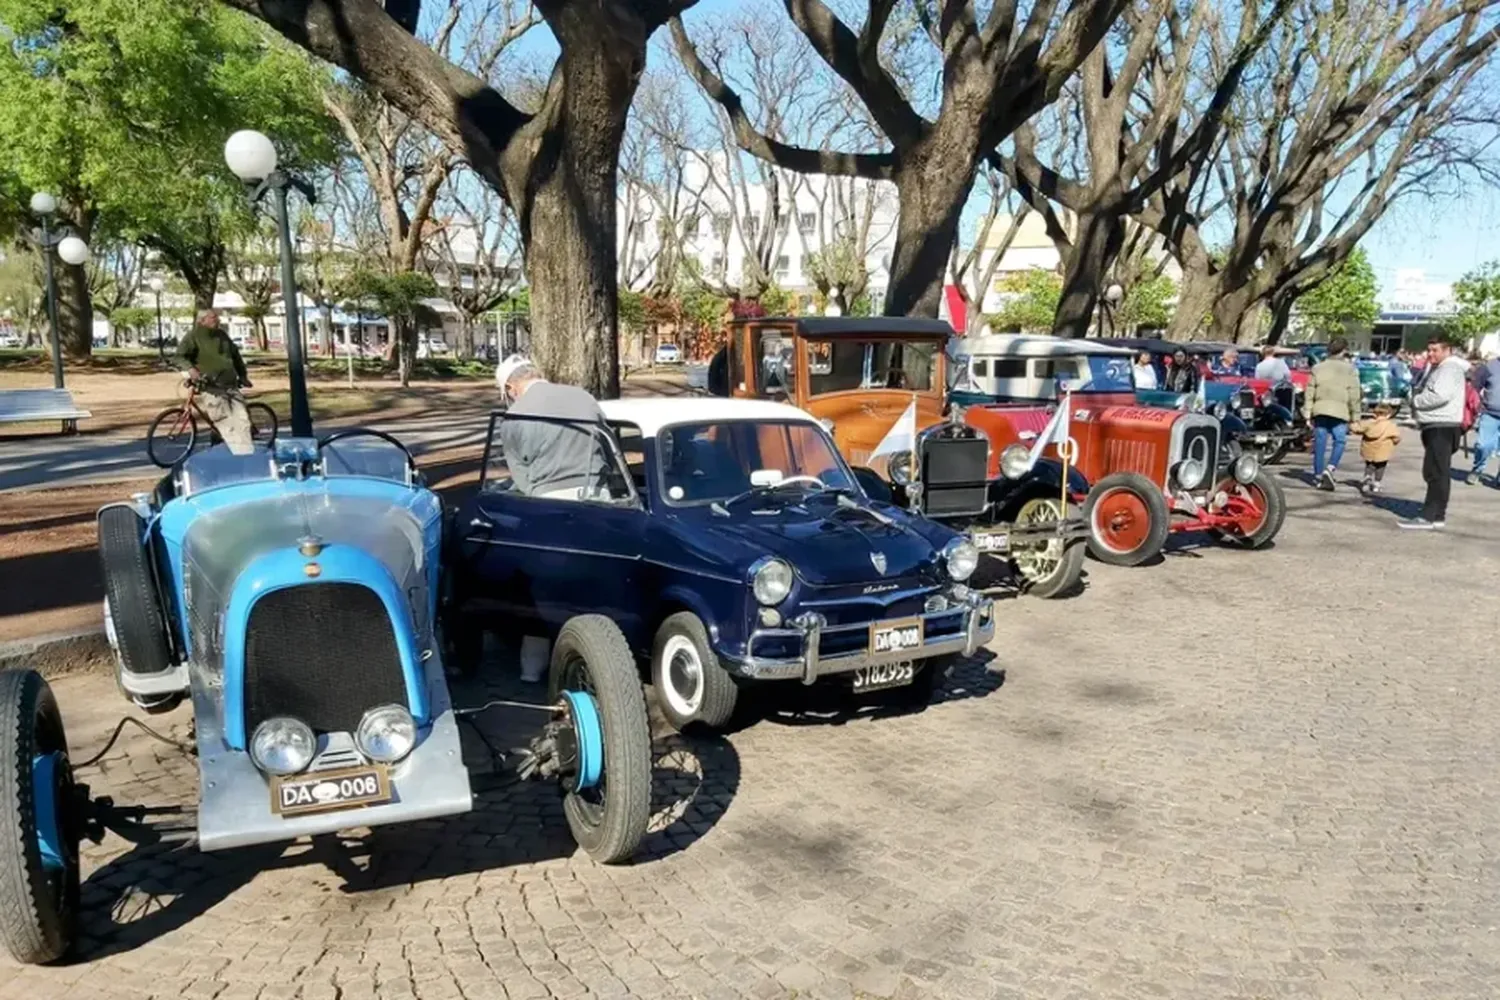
<point>844,364</point>
<point>633,448</point>
<point>702,463</point>
<point>1008,368</point>
<point>1055,368</point>
<point>776,369</point>
<point>555,460</point>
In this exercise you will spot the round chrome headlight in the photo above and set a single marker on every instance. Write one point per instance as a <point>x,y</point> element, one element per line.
<point>1246,468</point>
<point>282,745</point>
<point>771,581</point>
<point>962,558</point>
<point>900,468</point>
<point>1220,410</point>
<point>1191,473</point>
<point>1015,461</point>
<point>386,734</point>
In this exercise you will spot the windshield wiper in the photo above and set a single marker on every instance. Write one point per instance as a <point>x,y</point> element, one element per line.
<point>847,502</point>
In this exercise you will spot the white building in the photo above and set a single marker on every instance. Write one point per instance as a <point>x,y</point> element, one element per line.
<point>719,222</point>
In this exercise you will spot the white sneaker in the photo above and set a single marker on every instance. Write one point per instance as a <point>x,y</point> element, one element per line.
<point>1419,524</point>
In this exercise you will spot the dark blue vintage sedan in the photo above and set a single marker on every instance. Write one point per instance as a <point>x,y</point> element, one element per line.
<point>729,541</point>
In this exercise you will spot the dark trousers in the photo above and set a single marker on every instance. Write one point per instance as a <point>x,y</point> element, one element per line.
<point>1375,471</point>
<point>1438,446</point>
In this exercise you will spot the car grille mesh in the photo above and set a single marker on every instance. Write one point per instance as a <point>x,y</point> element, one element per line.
<point>954,476</point>
<point>324,653</point>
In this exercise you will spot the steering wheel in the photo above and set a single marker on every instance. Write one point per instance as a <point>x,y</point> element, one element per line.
<point>411,463</point>
<point>801,479</point>
<point>882,379</point>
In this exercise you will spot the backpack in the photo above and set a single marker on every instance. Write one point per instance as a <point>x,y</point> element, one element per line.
<point>1473,405</point>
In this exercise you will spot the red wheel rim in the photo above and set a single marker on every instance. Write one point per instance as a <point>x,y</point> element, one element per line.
<point>1122,521</point>
<point>1254,508</point>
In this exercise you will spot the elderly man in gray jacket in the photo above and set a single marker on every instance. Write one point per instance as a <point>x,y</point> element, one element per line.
<point>1439,404</point>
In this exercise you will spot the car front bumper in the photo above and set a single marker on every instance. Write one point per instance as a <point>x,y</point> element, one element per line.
<point>235,797</point>
<point>1002,540</point>
<point>978,629</point>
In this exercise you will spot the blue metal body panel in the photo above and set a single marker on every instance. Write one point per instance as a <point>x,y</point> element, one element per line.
<point>44,807</point>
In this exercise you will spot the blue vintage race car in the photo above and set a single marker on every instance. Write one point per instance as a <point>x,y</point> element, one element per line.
<point>292,596</point>
<point>730,542</point>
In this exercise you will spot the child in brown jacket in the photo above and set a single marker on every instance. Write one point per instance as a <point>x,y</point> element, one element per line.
<point>1379,437</point>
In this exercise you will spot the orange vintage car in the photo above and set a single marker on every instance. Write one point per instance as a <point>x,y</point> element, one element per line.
<point>862,377</point>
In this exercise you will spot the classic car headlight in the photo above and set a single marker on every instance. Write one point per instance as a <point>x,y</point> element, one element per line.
<point>962,558</point>
<point>386,734</point>
<point>1014,461</point>
<point>1191,473</point>
<point>282,745</point>
<point>900,468</point>
<point>1220,410</point>
<point>1246,468</point>
<point>771,581</point>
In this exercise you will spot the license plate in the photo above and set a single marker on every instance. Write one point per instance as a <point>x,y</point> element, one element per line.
<point>896,637</point>
<point>1247,412</point>
<point>330,790</point>
<point>1262,439</point>
<point>993,541</point>
<point>886,675</point>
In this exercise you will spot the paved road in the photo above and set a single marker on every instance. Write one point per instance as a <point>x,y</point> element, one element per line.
<point>1231,775</point>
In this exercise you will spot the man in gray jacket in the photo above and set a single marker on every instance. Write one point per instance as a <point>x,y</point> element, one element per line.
<point>1439,404</point>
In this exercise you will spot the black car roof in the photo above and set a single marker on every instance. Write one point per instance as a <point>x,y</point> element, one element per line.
<point>1158,346</point>
<point>834,326</point>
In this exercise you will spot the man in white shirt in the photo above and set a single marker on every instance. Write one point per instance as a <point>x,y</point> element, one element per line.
<point>1271,368</point>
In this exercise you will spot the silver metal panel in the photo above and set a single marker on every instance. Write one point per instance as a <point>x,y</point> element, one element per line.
<point>235,798</point>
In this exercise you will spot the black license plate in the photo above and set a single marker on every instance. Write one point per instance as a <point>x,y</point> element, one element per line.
<point>895,636</point>
<point>330,790</point>
<point>886,675</point>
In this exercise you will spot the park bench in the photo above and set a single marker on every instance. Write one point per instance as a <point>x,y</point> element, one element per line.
<point>24,406</point>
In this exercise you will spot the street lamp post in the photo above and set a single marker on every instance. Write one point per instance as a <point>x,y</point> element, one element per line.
<point>252,158</point>
<point>72,250</point>
<point>161,342</point>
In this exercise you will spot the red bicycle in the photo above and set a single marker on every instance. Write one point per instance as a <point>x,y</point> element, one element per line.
<point>174,432</point>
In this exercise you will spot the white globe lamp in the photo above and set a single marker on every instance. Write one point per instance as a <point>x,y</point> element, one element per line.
<point>72,250</point>
<point>250,155</point>
<point>157,285</point>
<point>43,203</point>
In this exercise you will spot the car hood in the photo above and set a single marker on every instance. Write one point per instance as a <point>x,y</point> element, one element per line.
<point>827,544</point>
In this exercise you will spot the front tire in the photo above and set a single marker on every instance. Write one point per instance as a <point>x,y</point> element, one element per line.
<point>171,436</point>
<point>1265,496</point>
<point>1055,569</point>
<point>1128,519</point>
<point>691,686</point>
<point>38,832</point>
<point>262,424</point>
<point>609,819</point>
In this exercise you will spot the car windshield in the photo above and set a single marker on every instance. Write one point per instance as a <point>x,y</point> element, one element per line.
<point>844,364</point>
<point>364,455</point>
<point>1100,373</point>
<point>710,462</point>
<point>218,466</point>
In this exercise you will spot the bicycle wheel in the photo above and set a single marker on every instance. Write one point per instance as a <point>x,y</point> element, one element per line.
<point>262,423</point>
<point>172,436</point>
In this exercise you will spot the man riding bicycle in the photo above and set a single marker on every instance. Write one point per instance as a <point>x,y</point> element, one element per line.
<point>215,363</point>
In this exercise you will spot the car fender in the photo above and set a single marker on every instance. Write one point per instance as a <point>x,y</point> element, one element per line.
<point>874,485</point>
<point>1007,495</point>
<point>1233,426</point>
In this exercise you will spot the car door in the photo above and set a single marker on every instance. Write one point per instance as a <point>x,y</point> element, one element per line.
<point>546,555</point>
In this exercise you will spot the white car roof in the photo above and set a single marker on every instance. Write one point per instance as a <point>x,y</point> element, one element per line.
<point>651,414</point>
<point>1027,345</point>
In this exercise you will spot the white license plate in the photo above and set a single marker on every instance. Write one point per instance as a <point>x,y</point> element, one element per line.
<point>896,636</point>
<point>330,790</point>
<point>887,675</point>
<point>993,541</point>
<point>1262,439</point>
<point>1247,412</point>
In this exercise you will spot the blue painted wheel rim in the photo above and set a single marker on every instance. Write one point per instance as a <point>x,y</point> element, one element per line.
<point>45,769</point>
<point>589,731</point>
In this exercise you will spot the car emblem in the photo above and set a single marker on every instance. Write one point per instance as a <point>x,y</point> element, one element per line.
<point>878,560</point>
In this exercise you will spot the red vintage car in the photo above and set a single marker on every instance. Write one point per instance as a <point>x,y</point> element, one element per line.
<point>1142,472</point>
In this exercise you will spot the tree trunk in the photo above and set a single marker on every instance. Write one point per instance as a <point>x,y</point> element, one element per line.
<point>204,287</point>
<point>932,186</point>
<point>325,335</point>
<point>1236,316</point>
<point>1281,318</point>
<point>1096,243</point>
<point>405,334</point>
<point>1195,300</point>
<point>75,311</point>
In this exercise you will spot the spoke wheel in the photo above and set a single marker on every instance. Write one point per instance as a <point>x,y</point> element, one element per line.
<point>262,424</point>
<point>171,436</point>
<point>1051,568</point>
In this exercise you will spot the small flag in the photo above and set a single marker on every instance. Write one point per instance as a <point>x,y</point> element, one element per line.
<point>1058,430</point>
<point>902,437</point>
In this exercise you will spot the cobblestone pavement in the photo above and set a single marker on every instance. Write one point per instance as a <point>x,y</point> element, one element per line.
<point>1235,774</point>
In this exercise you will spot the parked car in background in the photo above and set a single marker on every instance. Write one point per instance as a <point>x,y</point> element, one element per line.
<point>10,339</point>
<point>874,380</point>
<point>730,542</point>
<point>1149,471</point>
<point>668,354</point>
<point>432,347</point>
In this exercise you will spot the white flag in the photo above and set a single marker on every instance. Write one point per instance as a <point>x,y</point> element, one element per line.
<point>1058,430</point>
<point>902,437</point>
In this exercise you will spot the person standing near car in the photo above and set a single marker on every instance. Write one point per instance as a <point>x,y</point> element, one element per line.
<point>1485,377</point>
<point>1332,403</point>
<point>215,362</point>
<point>557,458</point>
<point>1438,401</point>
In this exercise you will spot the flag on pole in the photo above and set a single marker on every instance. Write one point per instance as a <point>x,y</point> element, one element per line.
<point>1058,430</point>
<point>902,437</point>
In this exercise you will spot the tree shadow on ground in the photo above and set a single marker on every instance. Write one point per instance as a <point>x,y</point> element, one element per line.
<point>157,888</point>
<point>830,703</point>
